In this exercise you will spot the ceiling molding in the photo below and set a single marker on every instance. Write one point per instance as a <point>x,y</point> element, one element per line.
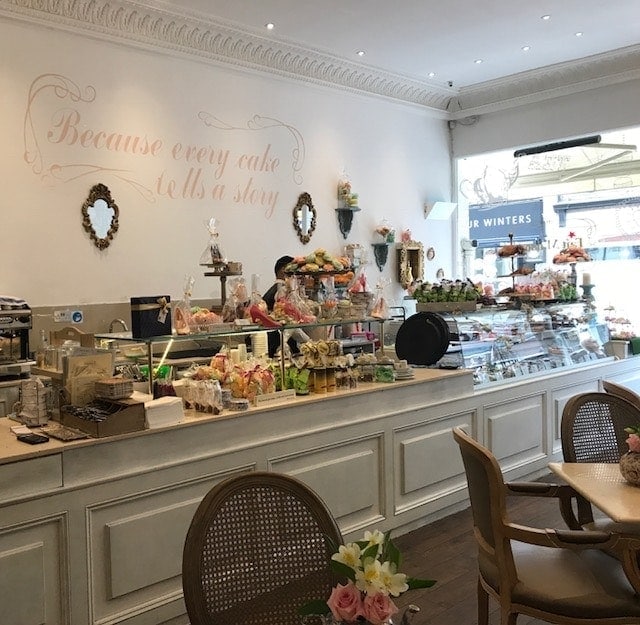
<point>219,42</point>
<point>549,82</point>
<point>154,26</point>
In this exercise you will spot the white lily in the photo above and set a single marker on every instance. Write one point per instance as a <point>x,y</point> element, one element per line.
<point>395,583</point>
<point>369,579</point>
<point>348,554</point>
<point>374,538</point>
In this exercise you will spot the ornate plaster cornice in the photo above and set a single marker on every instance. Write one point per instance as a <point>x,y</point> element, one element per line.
<point>549,82</point>
<point>146,25</point>
<point>155,25</point>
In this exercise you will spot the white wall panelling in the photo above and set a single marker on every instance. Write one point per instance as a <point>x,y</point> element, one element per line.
<point>34,587</point>
<point>123,507</point>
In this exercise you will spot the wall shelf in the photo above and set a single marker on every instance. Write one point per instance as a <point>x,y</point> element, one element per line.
<point>380,253</point>
<point>345,218</point>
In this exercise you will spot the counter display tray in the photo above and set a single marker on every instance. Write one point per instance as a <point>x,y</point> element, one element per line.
<point>445,306</point>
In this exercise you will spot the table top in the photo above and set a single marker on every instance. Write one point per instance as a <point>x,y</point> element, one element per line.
<point>603,485</point>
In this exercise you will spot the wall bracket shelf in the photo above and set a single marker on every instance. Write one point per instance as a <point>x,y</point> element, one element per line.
<point>345,218</point>
<point>380,253</point>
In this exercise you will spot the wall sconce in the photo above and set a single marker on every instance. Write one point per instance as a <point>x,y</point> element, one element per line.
<point>439,210</point>
<point>380,253</point>
<point>345,219</point>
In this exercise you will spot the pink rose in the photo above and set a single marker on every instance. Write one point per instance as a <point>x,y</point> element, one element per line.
<point>345,602</point>
<point>634,443</point>
<point>378,608</point>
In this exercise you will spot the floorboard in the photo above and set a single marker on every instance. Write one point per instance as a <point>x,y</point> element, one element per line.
<point>446,551</point>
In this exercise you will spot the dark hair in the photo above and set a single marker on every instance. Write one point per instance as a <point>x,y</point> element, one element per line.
<point>281,263</point>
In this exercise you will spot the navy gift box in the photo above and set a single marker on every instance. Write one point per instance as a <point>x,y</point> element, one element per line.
<point>150,316</point>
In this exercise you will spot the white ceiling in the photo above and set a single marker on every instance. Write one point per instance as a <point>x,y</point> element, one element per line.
<point>317,41</point>
<point>415,37</point>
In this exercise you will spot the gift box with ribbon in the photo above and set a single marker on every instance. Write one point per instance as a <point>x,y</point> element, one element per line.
<point>150,316</point>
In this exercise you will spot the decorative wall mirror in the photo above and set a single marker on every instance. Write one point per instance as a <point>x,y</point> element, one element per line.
<point>100,216</point>
<point>410,263</point>
<point>304,217</point>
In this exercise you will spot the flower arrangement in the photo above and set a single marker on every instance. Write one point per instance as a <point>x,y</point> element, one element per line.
<point>370,568</point>
<point>634,438</point>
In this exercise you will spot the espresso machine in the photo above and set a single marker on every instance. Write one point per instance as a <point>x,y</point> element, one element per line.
<point>15,365</point>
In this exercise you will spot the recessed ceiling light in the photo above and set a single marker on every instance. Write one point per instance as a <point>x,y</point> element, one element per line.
<point>579,34</point>
<point>478,61</point>
<point>545,17</point>
<point>270,26</point>
<point>360,52</point>
<point>526,48</point>
<point>431,74</point>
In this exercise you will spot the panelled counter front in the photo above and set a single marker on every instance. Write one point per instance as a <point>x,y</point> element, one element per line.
<point>91,531</point>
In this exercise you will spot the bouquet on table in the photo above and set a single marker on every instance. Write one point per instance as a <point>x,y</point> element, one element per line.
<point>370,568</point>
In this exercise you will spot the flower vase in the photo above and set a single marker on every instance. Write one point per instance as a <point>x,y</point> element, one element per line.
<point>328,619</point>
<point>630,467</point>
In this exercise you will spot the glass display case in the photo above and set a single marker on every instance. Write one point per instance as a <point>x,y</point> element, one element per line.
<point>364,335</point>
<point>499,343</point>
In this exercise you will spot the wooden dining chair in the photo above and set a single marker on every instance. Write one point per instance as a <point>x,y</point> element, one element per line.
<point>592,430</point>
<point>558,576</point>
<point>258,549</point>
<point>621,391</point>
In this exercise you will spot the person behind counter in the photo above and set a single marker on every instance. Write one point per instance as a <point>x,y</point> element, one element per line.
<point>273,338</point>
<point>270,296</point>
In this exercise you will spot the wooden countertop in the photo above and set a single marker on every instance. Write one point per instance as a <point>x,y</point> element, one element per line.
<point>12,450</point>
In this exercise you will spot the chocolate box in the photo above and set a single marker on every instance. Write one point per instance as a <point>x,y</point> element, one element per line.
<point>150,316</point>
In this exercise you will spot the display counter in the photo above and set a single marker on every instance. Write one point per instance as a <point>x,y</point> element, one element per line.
<point>96,527</point>
<point>501,343</point>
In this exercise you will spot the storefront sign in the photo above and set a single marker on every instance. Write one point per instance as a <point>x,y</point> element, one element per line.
<point>491,224</point>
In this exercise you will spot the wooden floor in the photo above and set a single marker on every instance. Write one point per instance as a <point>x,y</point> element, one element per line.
<point>446,551</point>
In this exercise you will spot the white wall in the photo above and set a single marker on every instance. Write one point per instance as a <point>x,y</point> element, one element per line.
<point>397,157</point>
<point>605,108</point>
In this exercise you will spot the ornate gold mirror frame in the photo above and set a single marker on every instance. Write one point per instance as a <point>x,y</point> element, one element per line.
<point>410,263</point>
<point>304,217</point>
<point>100,216</point>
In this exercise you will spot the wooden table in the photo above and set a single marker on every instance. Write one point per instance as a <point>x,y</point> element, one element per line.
<point>603,485</point>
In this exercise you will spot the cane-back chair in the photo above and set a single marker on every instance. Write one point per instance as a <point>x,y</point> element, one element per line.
<point>558,576</point>
<point>258,548</point>
<point>621,391</point>
<point>592,430</point>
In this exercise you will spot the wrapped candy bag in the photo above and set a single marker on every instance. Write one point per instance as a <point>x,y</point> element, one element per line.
<point>182,321</point>
<point>255,298</point>
<point>360,283</point>
<point>328,298</point>
<point>237,301</point>
<point>257,309</point>
<point>380,308</point>
<point>212,254</point>
<point>290,306</point>
<point>361,297</point>
<point>259,380</point>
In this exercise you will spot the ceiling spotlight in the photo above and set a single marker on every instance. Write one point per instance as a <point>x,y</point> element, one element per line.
<point>526,48</point>
<point>579,34</point>
<point>545,17</point>
<point>431,74</point>
<point>478,61</point>
<point>360,53</point>
<point>270,26</point>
